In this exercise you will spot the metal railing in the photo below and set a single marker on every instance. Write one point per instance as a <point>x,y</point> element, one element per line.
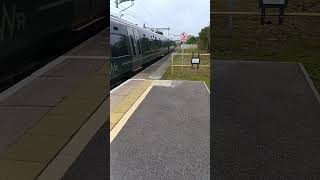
<point>182,61</point>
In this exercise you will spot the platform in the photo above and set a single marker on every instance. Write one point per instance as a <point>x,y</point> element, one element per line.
<point>266,119</point>
<point>60,104</point>
<point>156,70</point>
<point>166,135</point>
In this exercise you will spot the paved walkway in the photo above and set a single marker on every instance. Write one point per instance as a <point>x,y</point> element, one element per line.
<point>167,137</point>
<point>92,162</point>
<point>43,113</point>
<point>266,120</point>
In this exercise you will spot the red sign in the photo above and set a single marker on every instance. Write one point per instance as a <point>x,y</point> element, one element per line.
<point>184,37</point>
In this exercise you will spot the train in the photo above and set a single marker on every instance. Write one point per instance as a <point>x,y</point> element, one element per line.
<point>25,24</point>
<point>133,46</point>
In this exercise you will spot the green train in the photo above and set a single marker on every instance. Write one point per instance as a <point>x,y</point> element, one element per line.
<point>133,46</point>
<point>27,25</point>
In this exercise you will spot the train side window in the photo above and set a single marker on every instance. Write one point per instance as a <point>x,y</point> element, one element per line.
<point>133,45</point>
<point>119,45</point>
<point>115,28</point>
<point>139,46</point>
<point>145,45</point>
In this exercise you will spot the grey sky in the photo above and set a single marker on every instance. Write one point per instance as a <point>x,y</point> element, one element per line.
<point>188,16</point>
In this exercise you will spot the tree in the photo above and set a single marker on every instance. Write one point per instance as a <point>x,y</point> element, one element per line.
<point>204,38</point>
<point>192,40</point>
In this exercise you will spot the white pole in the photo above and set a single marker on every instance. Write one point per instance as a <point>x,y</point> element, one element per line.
<point>172,64</point>
<point>182,57</point>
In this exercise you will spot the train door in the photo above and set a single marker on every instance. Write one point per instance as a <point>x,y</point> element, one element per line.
<point>136,61</point>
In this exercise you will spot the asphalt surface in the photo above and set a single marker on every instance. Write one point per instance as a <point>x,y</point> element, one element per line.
<point>93,162</point>
<point>167,137</point>
<point>265,122</point>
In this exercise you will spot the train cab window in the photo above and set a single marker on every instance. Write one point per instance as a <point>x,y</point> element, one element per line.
<point>115,28</point>
<point>119,45</point>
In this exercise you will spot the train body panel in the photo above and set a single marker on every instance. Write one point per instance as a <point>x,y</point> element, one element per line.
<point>133,46</point>
<point>24,23</point>
<point>86,11</point>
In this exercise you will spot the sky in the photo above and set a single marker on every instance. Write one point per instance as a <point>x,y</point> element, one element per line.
<point>188,16</point>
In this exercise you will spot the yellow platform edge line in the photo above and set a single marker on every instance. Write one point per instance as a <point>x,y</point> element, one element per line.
<point>128,101</point>
<point>122,121</point>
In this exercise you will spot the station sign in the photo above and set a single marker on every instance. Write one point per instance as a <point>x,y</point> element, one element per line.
<point>273,3</point>
<point>195,60</point>
<point>184,37</point>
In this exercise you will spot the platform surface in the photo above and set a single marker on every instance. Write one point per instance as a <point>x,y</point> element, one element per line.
<point>41,114</point>
<point>266,121</point>
<point>156,70</point>
<point>91,163</point>
<point>167,137</point>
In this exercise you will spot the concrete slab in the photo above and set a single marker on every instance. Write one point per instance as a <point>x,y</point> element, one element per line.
<point>92,162</point>
<point>123,91</point>
<point>266,121</point>
<point>42,92</point>
<point>73,109</point>
<point>76,154</point>
<point>55,125</point>
<point>114,100</point>
<point>129,100</point>
<point>95,46</point>
<point>133,83</point>
<point>76,67</point>
<point>16,120</point>
<point>10,169</point>
<point>119,93</point>
<point>115,118</point>
<point>50,106</point>
<point>86,90</point>
<point>167,137</point>
<point>162,83</point>
<point>161,69</point>
<point>29,148</point>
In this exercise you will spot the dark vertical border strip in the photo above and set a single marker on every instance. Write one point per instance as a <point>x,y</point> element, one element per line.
<point>108,90</point>
<point>211,93</point>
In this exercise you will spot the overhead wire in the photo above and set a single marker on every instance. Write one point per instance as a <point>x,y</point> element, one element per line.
<point>132,14</point>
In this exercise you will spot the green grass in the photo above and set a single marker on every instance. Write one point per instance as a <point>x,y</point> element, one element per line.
<point>201,74</point>
<point>187,73</point>
<point>297,40</point>
<point>252,5</point>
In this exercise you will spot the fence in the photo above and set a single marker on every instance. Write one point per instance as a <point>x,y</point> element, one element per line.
<point>183,64</point>
<point>189,46</point>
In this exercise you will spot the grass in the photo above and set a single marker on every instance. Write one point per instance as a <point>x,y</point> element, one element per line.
<point>297,40</point>
<point>187,73</point>
<point>252,5</point>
